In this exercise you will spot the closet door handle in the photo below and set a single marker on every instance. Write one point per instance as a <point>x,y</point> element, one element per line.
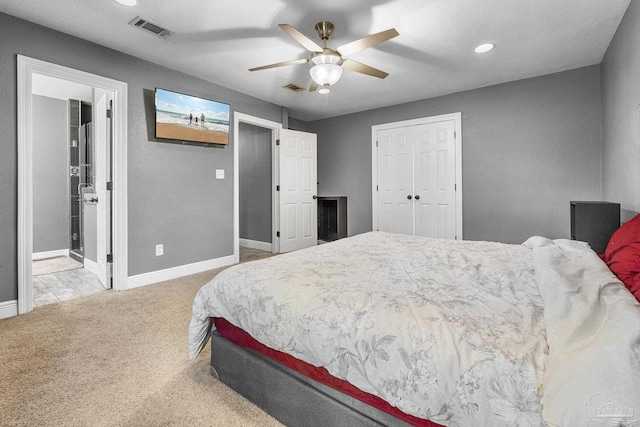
<point>409,197</point>
<point>417,197</point>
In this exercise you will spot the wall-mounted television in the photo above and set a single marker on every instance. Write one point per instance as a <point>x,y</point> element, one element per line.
<point>189,118</point>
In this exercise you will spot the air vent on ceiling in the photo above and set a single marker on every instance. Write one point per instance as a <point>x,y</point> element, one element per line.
<point>294,87</point>
<point>150,27</point>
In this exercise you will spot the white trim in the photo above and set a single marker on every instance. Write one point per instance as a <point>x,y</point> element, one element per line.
<point>91,266</point>
<point>145,279</point>
<point>8,309</point>
<point>457,118</point>
<point>275,129</point>
<point>49,254</point>
<point>255,244</point>
<point>27,67</point>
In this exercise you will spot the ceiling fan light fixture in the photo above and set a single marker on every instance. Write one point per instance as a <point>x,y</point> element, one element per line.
<point>326,63</point>
<point>326,70</point>
<point>325,90</point>
<point>326,74</point>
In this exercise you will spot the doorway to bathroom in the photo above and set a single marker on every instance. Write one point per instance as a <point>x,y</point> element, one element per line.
<point>65,226</point>
<point>102,161</point>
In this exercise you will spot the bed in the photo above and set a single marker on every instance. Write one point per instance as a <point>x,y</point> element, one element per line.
<point>387,329</point>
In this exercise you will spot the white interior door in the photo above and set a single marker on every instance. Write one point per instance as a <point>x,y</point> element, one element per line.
<point>298,189</point>
<point>102,140</point>
<point>395,180</point>
<point>435,180</point>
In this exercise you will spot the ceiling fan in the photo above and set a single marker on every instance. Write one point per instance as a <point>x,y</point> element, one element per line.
<point>327,63</point>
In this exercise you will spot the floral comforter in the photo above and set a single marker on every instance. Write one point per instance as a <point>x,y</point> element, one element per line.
<point>462,333</point>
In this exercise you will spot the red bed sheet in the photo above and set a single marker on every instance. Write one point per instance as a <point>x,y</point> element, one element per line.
<point>243,339</point>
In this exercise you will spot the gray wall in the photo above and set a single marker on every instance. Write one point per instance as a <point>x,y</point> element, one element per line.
<point>529,147</point>
<point>50,175</point>
<point>296,124</point>
<point>173,196</point>
<point>254,182</point>
<point>621,115</point>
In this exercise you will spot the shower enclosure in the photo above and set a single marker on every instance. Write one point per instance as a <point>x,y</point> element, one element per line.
<point>81,181</point>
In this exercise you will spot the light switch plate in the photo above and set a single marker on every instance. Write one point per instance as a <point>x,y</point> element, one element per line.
<point>219,173</point>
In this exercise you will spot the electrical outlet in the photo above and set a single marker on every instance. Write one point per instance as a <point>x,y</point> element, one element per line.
<point>159,250</point>
<point>219,173</point>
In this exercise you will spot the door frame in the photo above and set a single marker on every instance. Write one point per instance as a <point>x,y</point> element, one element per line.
<point>275,199</point>
<point>27,67</point>
<point>457,118</point>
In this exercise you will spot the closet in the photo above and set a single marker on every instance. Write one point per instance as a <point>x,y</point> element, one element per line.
<point>416,174</point>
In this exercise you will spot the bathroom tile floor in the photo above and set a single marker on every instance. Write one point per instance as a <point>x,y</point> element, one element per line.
<point>56,280</point>
<point>61,278</point>
<point>54,265</point>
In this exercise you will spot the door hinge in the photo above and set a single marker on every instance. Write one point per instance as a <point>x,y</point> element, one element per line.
<point>377,188</point>
<point>108,114</point>
<point>277,142</point>
<point>455,134</point>
<point>277,188</point>
<point>277,234</point>
<point>109,257</point>
<point>455,187</point>
<point>376,143</point>
<point>109,186</point>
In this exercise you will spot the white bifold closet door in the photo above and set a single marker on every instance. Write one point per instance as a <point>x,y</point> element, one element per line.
<point>417,180</point>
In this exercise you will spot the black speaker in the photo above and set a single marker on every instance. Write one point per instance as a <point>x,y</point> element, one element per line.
<point>594,223</point>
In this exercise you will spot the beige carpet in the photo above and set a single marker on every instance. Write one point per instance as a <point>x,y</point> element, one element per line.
<point>115,359</point>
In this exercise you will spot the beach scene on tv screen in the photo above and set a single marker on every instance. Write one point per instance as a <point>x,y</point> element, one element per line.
<point>189,118</point>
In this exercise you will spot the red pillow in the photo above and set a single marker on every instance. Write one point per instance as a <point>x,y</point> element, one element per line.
<point>625,264</point>
<point>622,255</point>
<point>629,232</point>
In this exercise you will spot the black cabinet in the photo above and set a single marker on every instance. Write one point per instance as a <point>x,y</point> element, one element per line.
<point>332,218</point>
<point>594,223</point>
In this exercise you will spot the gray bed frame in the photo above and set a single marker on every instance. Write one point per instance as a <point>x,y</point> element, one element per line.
<point>288,396</point>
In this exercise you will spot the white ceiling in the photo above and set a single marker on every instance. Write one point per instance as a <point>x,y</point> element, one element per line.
<point>219,40</point>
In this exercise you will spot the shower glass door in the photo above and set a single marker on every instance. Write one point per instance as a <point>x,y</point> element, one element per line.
<point>80,173</point>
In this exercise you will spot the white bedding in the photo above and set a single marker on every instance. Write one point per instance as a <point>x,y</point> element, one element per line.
<point>458,332</point>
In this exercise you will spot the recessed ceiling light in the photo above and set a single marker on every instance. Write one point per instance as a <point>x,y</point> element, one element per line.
<point>485,47</point>
<point>127,2</point>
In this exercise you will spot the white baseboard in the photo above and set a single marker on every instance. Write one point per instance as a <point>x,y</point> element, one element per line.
<point>145,279</point>
<point>8,309</point>
<point>50,254</point>
<point>254,244</point>
<point>91,266</point>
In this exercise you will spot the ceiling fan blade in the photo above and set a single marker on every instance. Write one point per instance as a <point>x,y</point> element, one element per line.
<point>313,86</point>
<point>307,43</point>
<point>365,42</point>
<point>358,67</point>
<point>280,64</point>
